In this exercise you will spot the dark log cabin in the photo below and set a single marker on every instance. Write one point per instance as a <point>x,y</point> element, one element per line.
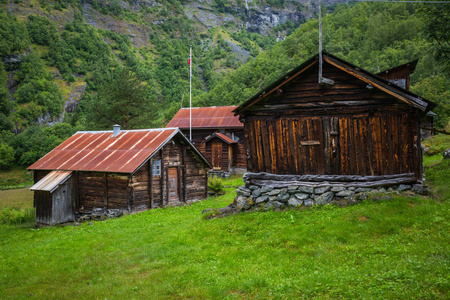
<point>128,170</point>
<point>217,133</point>
<point>355,128</point>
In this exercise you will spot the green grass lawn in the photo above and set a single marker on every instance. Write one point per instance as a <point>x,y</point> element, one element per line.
<point>397,248</point>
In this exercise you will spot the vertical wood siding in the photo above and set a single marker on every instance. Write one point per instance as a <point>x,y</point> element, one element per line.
<point>362,144</point>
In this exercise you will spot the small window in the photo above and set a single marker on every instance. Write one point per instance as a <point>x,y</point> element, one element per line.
<point>156,167</point>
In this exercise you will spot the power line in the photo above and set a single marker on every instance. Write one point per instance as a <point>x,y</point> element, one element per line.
<point>405,1</point>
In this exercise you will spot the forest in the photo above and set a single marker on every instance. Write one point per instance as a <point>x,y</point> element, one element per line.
<point>42,61</point>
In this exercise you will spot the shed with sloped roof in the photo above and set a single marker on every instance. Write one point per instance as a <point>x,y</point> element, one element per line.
<point>94,172</point>
<point>354,129</point>
<point>216,132</point>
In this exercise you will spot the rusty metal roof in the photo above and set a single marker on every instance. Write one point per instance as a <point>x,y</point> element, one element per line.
<point>100,151</point>
<point>206,117</point>
<point>221,136</point>
<point>51,182</point>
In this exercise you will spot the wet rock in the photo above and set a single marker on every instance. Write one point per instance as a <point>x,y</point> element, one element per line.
<point>253,187</point>
<point>266,188</point>
<point>262,199</point>
<point>283,198</point>
<point>306,189</point>
<point>274,192</point>
<point>421,189</point>
<point>446,154</point>
<point>345,193</point>
<point>322,190</point>
<point>293,201</point>
<point>256,193</point>
<point>338,189</point>
<point>360,190</point>
<point>302,196</point>
<point>308,203</point>
<point>404,187</point>
<point>325,198</point>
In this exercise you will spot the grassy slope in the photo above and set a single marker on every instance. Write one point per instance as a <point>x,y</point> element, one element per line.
<point>392,249</point>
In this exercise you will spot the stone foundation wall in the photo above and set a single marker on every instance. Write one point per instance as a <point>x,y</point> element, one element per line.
<point>269,197</point>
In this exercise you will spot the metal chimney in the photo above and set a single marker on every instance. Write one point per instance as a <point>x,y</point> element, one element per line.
<point>116,130</point>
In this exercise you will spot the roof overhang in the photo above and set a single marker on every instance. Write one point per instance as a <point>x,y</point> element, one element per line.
<point>51,181</point>
<point>384,85</point>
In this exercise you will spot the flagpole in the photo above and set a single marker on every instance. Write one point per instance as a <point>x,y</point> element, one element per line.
<point>190,93</point>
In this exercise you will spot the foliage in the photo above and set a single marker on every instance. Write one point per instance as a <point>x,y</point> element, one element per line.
<point>12,215</point>
<point>437,89</point>
<point>387,249</point>
<point>41,30</point>
<point>13,35</point>
<point>215,185</point>
<point>14,177</point>
<point>436,145</point>
<point>125,100</point>
<point>5,103</point>
<point>35,142</point>
<point>6,156</point>
<point>37,95</point>
<point>436,19</point>
<point>374,36</point>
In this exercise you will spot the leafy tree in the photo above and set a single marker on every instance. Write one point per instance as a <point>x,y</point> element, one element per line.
<point>13,35</point>
<point>125,100</point>
<point>6,156</point>
<point>437,30</point>
<point>41,31</point>
<point>436,89</point>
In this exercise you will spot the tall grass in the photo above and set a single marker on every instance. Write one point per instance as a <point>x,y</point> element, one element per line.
<point>12,215</point>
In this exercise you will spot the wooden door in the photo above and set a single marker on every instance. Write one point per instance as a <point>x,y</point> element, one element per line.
<point>217,154</point>
<point>310,146</point>
<point>173,184</point>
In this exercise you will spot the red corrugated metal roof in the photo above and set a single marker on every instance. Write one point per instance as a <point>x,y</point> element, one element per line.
<point>100,151</point>
<point>221,136</point>
<point>50,182</point>
<point>206,117</point>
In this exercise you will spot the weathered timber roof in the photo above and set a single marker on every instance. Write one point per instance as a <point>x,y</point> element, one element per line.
<point>221,136</point>
<point>380,83</point>
<point>411,66</point>
<point>51,181</point>
<point>100,151</point>
<point>206,117</point>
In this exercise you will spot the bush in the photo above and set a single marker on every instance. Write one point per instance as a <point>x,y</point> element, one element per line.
<point>11,215</point>
<point>215,185</point>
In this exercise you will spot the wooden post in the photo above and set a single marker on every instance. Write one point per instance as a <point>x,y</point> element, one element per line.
<point>183,162</point>
<point>150,179</point>
<point>162,177</point>
<point>105,181</point>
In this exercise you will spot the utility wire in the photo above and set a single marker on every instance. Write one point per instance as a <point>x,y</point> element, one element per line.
<point>405,1</point>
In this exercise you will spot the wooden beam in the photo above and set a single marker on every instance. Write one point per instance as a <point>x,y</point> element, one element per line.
<point>265,94</point>
<point>422,105</point>
<point>321,178</point>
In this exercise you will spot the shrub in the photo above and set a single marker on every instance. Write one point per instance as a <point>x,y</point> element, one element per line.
<point>215,185</point>
<point>11,215</point>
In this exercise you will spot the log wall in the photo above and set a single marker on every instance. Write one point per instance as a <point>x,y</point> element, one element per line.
<point>345,129</point>
<point>239,149</point>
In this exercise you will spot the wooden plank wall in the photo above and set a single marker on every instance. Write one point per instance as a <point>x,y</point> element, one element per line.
<point>379,144</point>
<point>43,203</point>
<point>224,156</point>
<point>92,190</point>
<point>240,150</point>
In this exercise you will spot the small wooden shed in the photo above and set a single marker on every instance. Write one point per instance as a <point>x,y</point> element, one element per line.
<point>217,133</point>
<point>353,127</point>
<point>128,170</point>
